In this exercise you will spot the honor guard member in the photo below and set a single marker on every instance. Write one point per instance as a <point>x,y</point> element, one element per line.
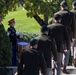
<point>32,60</point>
<point>67,19</point>
<point>74,38</point>
<point>47,46</point>
<point>11,32</point>
<point>59,33</point>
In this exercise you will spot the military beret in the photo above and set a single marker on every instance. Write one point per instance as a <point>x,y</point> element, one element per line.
<point>12,20</point>
<point>57,16</point>
<point>64,3</point>
<point>74,3</point>
<point>33,41</point>
<point>44,28</point>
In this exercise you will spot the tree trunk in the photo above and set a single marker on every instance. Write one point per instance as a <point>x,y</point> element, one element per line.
<point>39,20</point>
<point>36,17</point>
<point>46,19</point>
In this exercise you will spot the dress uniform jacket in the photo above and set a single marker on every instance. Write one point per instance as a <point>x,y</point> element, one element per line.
<point>74,11</point>
<point>30,63</point>
<point>59,33</point>
<point>12,34</point>
<point>68,21</point>
<point>47,45</point>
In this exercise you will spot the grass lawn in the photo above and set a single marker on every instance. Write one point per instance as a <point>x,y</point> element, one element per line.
<point>23,23</point>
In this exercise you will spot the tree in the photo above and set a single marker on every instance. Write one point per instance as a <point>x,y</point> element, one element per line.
<point>42,7</point>
<point>6,6</point>
<point>5,48</point>
<point>34,8</point>
<point>5,51</point>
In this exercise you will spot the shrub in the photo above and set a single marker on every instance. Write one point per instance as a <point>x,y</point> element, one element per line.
<point>5,48</point>
<point>27,35</point>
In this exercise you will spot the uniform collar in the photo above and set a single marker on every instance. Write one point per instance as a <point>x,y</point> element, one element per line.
<point>56,23</point>
<point>74,8</point>
<point>11,27</point>
<point>34,48</point>
<point>64,9</point>
<point>44,34</point>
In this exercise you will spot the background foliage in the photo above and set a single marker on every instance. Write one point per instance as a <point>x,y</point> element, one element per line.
<point>5,48</point>
<point>22,22</point>
<point>47,7</point>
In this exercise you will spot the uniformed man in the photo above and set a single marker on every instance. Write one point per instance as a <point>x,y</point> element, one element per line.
<point>67,18</point>
<point>47,45</point>
<point>11,32</point>
<point>59,33</point>
<point>74,8</point>
<point>68,21</point>
<point>31,61</point>
<point>74,38</point>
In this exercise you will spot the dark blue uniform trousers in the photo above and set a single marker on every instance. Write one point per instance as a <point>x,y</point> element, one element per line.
<point>14,58</point>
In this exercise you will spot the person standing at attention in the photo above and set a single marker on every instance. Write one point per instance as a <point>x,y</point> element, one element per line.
<point>11,32</point>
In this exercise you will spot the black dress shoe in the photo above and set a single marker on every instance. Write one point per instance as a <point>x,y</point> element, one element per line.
<point>66,72</point>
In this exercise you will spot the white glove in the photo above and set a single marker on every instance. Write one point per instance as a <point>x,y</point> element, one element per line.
<point>8,33</point>
<point>21,36</point>
<point>17,33</point>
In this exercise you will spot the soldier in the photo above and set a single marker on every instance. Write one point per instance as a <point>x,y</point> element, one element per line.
<point>31,61</point>
<point>68,21</point>
<point>59,33</point>
<point>74,38</point>
<point>74,8</point>
<point>11,32</point>
<point>47,45</point>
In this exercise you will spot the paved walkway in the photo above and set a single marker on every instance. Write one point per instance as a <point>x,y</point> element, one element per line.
<point>68,74</point>
<point>71,69</point>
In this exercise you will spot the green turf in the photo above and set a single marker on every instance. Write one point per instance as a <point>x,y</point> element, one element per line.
<point>23,23</point>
